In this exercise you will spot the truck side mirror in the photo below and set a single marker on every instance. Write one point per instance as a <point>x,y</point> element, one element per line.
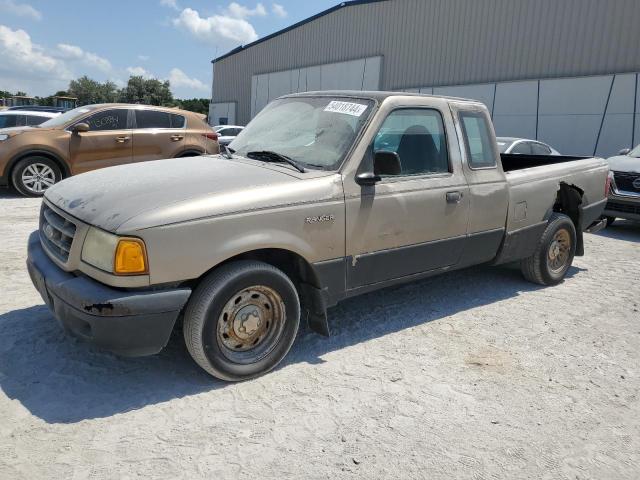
<point>624,151</point>
<point>80,127</point>
<point>384,163</point>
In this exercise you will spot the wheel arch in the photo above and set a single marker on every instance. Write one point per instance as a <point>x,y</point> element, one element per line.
<point>569,201</point>
<point>314,298</point>
<point>190,152</point>
<point>66,172</point>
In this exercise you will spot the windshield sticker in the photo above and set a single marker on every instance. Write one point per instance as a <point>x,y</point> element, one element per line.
<point>348,108</point>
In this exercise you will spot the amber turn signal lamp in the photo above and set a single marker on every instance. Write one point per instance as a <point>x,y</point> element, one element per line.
<point>131,257</point>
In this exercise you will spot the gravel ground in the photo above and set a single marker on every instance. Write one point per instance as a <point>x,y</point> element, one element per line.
<point>475,374</point>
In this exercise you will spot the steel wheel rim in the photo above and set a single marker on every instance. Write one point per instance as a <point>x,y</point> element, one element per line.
<point>559,251</point>
<point>37,177</point>
<point>250,324</point>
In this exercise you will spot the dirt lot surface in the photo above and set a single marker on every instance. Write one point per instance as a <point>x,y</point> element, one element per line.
<point>475,374</point>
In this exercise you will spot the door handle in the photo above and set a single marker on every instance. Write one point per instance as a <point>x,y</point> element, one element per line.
<point>454,197</point>
<point>122,139</point>
<point>176,138</point>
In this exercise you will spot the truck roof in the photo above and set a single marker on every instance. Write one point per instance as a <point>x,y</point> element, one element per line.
<point>375,95</point>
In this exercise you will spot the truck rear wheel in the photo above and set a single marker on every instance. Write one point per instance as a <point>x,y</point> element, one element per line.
<point>242,320</point>
<point>554,253</point>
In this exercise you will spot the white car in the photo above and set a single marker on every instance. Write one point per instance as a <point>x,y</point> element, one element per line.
<point>524,146</point>
<point>24,118</point>
<point>227,133</point>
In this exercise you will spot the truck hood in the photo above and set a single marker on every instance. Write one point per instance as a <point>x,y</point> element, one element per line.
<point>624,163</point>
<point>148,194</point>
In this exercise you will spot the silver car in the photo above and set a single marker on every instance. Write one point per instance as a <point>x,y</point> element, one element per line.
<point>524,146</point>
<point>24,118</point>
<point>227,133</point>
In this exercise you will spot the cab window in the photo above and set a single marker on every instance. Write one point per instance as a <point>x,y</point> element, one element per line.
<point>418,137</point>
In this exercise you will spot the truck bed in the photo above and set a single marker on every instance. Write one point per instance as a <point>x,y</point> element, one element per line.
<point>535,180</point>
<point>511,162</point>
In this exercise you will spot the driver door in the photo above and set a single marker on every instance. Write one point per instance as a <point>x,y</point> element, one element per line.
<point>106,144</point>
<point>414,221</point>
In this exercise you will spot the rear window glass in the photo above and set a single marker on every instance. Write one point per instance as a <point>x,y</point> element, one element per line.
<point>540,149</point>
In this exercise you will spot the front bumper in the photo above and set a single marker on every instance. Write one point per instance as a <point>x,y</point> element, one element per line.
<point>623,207</point>
<point>126,322</point>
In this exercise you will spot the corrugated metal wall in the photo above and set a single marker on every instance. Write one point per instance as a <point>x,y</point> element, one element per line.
<point>450,42</point>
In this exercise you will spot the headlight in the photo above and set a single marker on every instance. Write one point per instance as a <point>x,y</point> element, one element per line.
<point>114,254</point>
<point>3,137</point>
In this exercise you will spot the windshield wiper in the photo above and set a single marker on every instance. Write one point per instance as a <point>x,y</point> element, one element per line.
<point>275,157</point>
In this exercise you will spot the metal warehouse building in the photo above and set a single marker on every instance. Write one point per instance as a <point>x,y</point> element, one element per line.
<point>561,71</point>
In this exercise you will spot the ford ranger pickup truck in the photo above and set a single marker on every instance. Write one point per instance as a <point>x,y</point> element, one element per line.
<point>323,196</point>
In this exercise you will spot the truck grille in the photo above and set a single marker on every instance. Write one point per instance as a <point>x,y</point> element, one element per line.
<point>625,181</point>
<point>623,207</point>
<point>56,233</point>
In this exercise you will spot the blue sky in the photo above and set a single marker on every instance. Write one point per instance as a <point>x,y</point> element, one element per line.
<point>45,43</point>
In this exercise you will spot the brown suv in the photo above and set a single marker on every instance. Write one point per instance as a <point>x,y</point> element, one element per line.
<point>97,136</point>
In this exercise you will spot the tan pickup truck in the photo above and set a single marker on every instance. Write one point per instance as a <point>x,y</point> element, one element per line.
<point>322,197</point>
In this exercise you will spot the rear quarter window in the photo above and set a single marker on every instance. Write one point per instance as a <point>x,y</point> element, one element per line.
<point>478,139</point>
<point>178,121</point>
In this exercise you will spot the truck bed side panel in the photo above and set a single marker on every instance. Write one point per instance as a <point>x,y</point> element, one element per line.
<point>533,191</point>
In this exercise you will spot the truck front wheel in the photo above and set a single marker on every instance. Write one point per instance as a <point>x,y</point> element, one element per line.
<point>242,320</point>
<point>554,253</point>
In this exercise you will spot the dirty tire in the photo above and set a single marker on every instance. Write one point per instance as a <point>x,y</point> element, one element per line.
<point>204,314</point>
<point>536,268</point>
<point>52,169</point>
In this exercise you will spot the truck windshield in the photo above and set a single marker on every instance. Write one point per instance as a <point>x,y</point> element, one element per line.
<point>316,132</point>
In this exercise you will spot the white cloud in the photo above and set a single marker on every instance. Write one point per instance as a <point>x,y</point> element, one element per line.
<point>279,11</point>
<point>19,9</point>
<point>26,66</point>
<point>216,29</point>
<point>179,79</point>
<point>170,3</point>
<point>92,60</point>
<point>144,58</point>
<point>239,11</point>
<point>140,72</point>
<point>70,51</point>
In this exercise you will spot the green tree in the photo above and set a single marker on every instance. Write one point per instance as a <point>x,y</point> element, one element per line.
<point>148,91</point>
<point>198,105</point>
<point>89,91</point>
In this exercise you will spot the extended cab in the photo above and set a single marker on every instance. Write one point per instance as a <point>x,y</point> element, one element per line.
<point>322,197</point>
